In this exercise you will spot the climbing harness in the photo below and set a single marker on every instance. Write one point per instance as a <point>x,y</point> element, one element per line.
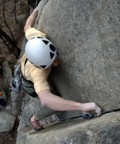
<point>15,83</point>
<point>18,82</point>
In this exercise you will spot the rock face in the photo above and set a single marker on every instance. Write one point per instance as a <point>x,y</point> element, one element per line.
<point>86,34</point>
<point>103,130</point>
<point>6,121</point>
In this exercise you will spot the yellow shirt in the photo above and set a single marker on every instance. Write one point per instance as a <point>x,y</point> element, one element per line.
<point>37,75</point>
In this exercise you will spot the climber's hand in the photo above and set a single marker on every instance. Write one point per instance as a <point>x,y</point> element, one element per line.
<point>91,107</point>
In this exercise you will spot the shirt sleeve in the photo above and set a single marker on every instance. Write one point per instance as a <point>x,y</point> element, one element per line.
<point>32,32</point>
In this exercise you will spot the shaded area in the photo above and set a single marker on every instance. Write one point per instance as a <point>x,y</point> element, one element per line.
<point>33,3</point>
<point>12,46</point>
<point>9,137</point>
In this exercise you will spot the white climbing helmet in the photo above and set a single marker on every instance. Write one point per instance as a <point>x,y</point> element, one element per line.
<point>40,52</point>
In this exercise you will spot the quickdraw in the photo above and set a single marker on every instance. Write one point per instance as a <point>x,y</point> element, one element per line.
<point>89,116</point>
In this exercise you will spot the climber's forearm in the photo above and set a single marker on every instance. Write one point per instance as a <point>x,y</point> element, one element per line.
<point>31,19</point>
<point>60,104</point>
<point>57,103</point>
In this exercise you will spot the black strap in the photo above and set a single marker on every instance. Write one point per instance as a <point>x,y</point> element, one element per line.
<point>27,84</point>
<point>25,61</point>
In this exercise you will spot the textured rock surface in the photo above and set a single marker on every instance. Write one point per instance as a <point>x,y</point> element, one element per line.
<point>103,130</point>
<point>86,34</point>
<point>7,73</point>
<point>15,14</point>
<point>6,121</point>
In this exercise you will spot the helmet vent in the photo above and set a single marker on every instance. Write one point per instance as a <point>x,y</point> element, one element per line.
<point>39,37</point>
<point>43,66</point>
<point>51,55</point>
<point>46,42</point>
<point>52,47</point>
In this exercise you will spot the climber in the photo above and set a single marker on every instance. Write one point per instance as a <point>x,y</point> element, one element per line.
<point>40,56</point>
